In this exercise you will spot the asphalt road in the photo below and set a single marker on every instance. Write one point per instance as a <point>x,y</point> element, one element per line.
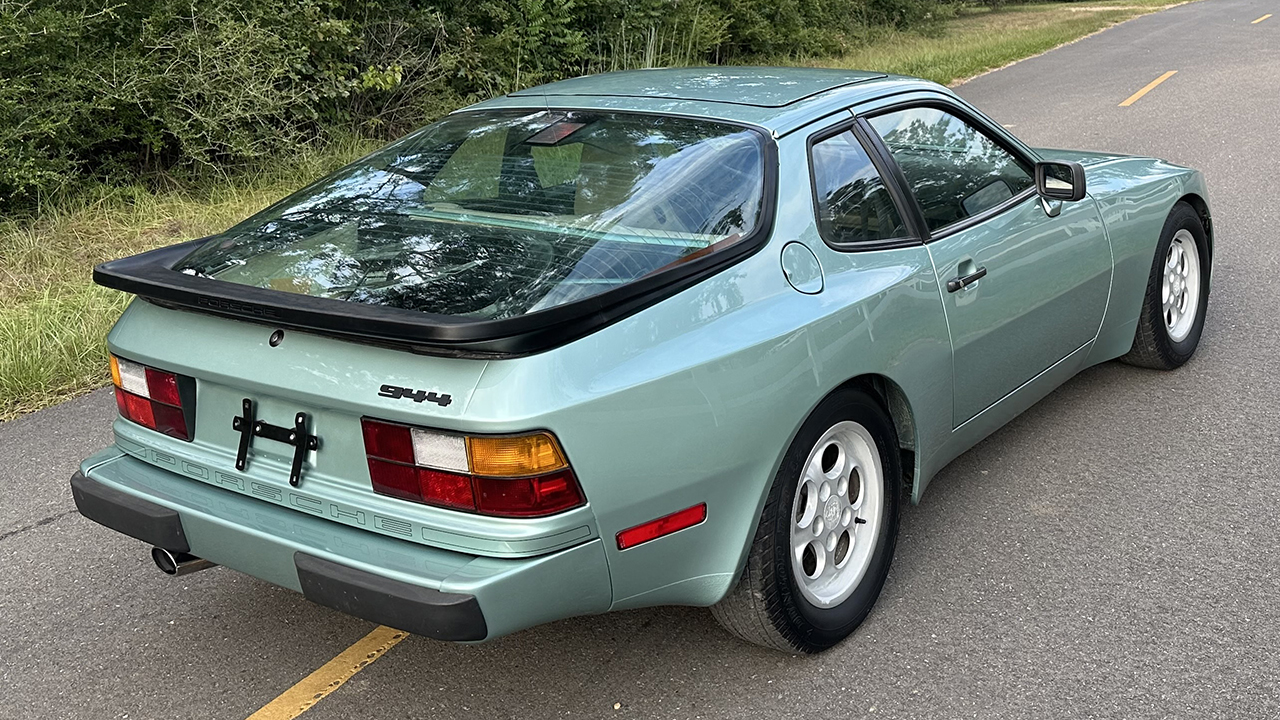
<point>1112,553</point>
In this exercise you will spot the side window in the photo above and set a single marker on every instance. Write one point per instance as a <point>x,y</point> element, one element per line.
<point>853,203</point>
<point>954,169</point>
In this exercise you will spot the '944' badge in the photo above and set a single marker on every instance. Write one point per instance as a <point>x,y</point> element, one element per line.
<point>396,392</point>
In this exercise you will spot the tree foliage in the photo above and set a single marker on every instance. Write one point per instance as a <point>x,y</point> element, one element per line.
<point>114,90</point>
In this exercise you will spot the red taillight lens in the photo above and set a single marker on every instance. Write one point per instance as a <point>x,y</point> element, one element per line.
<point>390,442</point>
<point>170,420</point>
<point>664,525</point>
<point>154,398</point>
<point>137,409</point>
<point>422,485</point>
<point>394,479</point>
<point>163,387</point>
<point>528,497</point>
<point>447,489</point>
<point>445,470</point>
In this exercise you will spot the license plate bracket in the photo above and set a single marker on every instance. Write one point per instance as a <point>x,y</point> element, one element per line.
<point>298,437</point>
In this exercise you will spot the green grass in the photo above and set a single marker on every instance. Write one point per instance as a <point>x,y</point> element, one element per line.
<point>980,40</point>
<point>53,319</point>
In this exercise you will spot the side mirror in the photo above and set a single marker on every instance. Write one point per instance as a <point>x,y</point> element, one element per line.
<point>1060,180</point>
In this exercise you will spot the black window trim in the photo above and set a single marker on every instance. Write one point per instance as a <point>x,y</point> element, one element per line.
<point>150,276</point>
<point>905,205</point>
<point>979,123</point>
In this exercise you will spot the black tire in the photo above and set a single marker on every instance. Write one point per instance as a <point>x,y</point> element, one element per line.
<point>1153,347</point>
<point>765,606</point>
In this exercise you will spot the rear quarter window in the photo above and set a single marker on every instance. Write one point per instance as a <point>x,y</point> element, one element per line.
<point>853,204</point>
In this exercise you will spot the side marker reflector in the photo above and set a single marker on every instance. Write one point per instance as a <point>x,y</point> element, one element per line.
<point>664,525</point>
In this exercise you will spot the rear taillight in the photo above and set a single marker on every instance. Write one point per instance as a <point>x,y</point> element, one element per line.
<point>508,476</point>
<point>155,399</point>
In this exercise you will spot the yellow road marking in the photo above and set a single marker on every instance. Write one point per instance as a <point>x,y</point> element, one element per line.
<point>1150,86</point>
<point>330,676</point>
<point>1264,17</point>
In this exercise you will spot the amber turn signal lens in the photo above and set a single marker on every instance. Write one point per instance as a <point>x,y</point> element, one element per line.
<point>115,371</point>
<point>516,456</point>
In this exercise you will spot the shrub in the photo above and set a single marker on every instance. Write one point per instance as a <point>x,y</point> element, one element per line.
<point>117,91</point>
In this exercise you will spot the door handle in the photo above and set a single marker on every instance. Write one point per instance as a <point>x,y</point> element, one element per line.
<point>964,281</point>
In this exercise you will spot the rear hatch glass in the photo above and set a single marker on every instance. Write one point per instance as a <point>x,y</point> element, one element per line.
<point>494,215</point>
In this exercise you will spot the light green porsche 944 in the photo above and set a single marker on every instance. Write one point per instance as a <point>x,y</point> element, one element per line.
<point>654,337</point>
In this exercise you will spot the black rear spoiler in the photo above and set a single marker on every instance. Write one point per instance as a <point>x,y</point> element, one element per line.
<point>151,276</point>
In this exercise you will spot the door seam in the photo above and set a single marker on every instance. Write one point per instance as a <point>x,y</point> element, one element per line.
<point>946,317</point>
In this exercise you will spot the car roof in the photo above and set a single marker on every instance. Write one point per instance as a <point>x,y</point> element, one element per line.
<point>778,99</point>
<point>756,86</point>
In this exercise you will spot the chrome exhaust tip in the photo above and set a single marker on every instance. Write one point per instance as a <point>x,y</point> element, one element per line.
<point>177,563</point>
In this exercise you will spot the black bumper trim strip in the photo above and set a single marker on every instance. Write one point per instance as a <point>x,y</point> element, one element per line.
<point>414,609</point>
<point>133,516</point>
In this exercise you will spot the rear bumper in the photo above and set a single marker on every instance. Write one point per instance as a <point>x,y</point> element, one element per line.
<point>423,590</point>
<point>125,513</point>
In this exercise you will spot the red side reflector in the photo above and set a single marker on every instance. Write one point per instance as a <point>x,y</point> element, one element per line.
<point>665,525</point>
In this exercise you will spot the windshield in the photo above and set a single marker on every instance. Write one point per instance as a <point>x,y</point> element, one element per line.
<point>498,214</point>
